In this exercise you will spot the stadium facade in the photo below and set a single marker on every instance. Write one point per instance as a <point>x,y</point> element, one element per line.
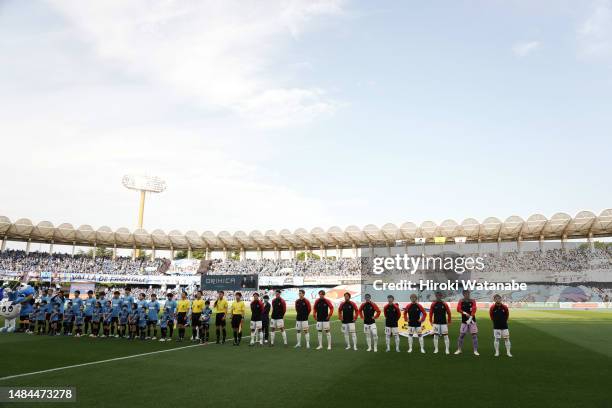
<point>559,227</point>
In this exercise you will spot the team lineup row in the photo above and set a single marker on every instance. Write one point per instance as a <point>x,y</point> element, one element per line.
<point>122,316</point>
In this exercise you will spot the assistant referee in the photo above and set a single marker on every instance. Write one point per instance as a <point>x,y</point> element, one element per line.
<point>220,310</point>
<point>197,305</point>
<point>182,307</point>
<point>237,312</point>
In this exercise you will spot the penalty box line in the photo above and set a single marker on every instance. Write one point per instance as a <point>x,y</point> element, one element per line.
<point>50,370</point>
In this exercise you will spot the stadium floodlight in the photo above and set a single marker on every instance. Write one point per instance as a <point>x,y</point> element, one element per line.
<point>143,184</point>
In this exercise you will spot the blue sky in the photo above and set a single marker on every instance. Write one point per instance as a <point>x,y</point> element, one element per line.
<point>304,113</point>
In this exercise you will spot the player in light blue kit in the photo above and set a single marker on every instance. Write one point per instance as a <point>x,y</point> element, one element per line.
<point>152,316</point>
<point>96,316</point>
<point>116,303</point>
<point>41,318</point>
<point>77,302</point>
<point>24,297</point>
<point>68,319</point>
<point>123,320</point>
<point>55,320</point>
<point>79,317</point>
<point>48,294</point>
<point>142,322</point>
<point>170,306</point>
<point>205,322</point>
<point>167,318</point>
<point>133,321</point>
<point>127,298</point>
<point>59,300</point>
<point>32,319</point>
<point>90,303</point>
<point>107,315</point>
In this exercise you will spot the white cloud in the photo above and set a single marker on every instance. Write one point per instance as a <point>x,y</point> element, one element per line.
<point>221,55</point>
<point>167,99</point>
<point>594,35</point>
<point>78,180</point>
<point>523,49</point>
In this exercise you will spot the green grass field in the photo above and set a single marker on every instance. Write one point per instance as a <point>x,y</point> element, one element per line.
<point>561,359</point>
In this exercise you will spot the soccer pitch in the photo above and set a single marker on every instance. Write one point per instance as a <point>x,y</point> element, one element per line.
<point>561,359</point>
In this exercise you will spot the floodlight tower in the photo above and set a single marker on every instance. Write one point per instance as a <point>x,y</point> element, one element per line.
<point>143,184</point>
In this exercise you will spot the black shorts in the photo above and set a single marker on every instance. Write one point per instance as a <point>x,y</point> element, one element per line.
<point>114,319</point>
<point>220,319</point>
<point>236,320</point>
<point>87,319</point>
<point>181,318</point>
<point>152,322</point>
<point>195,319</point>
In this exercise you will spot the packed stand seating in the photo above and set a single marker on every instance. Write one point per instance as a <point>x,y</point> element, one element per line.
<point>288,267</point>
<point>36,262</point>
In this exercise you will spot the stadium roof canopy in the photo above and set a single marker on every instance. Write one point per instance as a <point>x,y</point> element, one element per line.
<point>536,227</point>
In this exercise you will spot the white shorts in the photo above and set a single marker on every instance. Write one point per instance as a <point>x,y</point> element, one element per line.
<point>350,327</point>
<point>301,325</point>
<point>277,323</point>
<point>413,331</point>
<point>501,333</point>
<point>370,328</point>
<point>322,326</point>
<point>255,324</point>
<point>440,328</point>
<point>391,330</point>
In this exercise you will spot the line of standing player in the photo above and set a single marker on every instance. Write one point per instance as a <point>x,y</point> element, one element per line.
<point>268,317</point>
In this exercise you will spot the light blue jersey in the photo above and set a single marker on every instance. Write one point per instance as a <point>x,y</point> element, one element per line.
<point>76,304</point>
<point>96,314</point>
<point>90,303</point>
<point>206,314</point>
<point>116,304</point>
<point>170,306</point>
<point>79,316</point>
<point>25,296</point>
<point>107,313</point>
<point>128,301</point>
<point>142,304</point>
<point>123,316</point>
<point>48,308</point>
<point>102,300</point>
<point>153,307</point>
<point>68,315</point>
<point>56,300</point>
<point>134,316</point>
<point>167,317</point>
<point>142,318</point>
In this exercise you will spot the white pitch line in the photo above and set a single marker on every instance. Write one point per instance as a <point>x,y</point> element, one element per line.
<point>50,370</point>
<point>97,362</point>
